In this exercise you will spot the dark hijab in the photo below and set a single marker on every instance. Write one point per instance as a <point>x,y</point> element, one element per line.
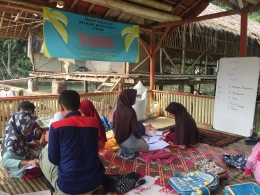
<point>186,131</point>
<point>89,110</point>
<point>124,118</point>
<point>14,139</point>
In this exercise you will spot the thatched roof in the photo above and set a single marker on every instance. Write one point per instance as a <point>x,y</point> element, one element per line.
<point>18,17</point>
<point>229,24</point>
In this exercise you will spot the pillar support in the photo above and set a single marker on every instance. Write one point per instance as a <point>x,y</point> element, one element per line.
<point>152,59</point>
<point>243,34</point>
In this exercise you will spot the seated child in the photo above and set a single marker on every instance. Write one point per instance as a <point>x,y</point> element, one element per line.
<point>253,164</point>
<point>30,107</point>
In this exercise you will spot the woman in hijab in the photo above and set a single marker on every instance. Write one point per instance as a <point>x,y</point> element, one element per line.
<point>185,131</point>
<point>125,126</point>
<point>15,149</point>
<point>89,110</point>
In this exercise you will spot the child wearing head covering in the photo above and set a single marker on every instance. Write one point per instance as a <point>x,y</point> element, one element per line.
<point>125,125</point>
<point>15,148</point>
<point>185,132</point>
<point>89,110</point>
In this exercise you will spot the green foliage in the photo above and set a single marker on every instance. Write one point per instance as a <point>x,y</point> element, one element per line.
<point>253,15</point>
<point>220,5</point>
<point>19,63</point>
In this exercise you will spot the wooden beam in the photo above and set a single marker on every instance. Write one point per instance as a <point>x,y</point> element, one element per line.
<point>7,28</point>
<point>144,46</point>
<point>90,7</point>
<point>74,2</point>
<point>227,3</point>
<point>107,13</point>
<point>255,2</point>
<point>120,16</point>
<point>178,4</point>
<point>18,15</point>
<point>175,67</point>
<point>152,60</point>
<point>141,11</point>
<point>154,4</point>
<point>161,39</point>
<point>20,24</point>
<point>240,4</point>
<point>132,19</point>
<point>2,18</point>
<point>140,63</point>
<point>243,34</point>
<point>22,2</point>
<point>197,59</point>
<point>189,8</point>
<point>33,11</point>
<point>146,29</point>
<point>183,60</point>
<point>50,2</point>
<point>24,18</point>
<point>208,17</point>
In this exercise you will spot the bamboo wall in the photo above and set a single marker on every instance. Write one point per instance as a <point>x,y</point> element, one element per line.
<point>216,44</point>
<point>200,107</point>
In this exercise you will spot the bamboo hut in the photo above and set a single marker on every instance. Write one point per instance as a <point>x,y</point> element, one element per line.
<point>204,43</point>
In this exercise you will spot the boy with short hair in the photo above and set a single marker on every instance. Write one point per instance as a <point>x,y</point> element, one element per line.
<point>70,162</point>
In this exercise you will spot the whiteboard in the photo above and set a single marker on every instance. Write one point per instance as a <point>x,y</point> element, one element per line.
<point>235,97</point>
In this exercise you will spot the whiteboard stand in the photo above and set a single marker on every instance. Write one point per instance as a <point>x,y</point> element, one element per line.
<point>235,97</point>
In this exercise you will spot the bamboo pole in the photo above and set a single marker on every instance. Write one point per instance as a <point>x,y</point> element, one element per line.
<point>206,64</point>
<point>141,11</point>
<point>154,4</point>
<point>208,17</point>
<point>175,67</point>
<point>22,8</point>
<point>183,60</point>
<point>144,46</point>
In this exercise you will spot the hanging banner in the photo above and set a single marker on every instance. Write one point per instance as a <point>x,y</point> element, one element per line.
<point>68,35</point>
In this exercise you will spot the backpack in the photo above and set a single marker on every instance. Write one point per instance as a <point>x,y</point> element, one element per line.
<point>209,166</point>
<point>237,160</point>
<point>194,183</point>
<point>242,189</point>
<point>160,155</point>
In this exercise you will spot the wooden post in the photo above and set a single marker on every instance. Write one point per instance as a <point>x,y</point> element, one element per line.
<point>183,50</point>
<point>183,59</point>
<point>243,34</point>
<point>206,64</point>
<point>161,67</point>
<point>152,58</point>
<point>192,89</point>
<point>85,86</point>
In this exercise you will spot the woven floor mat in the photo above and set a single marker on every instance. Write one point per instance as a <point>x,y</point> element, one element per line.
<point>13,185</point>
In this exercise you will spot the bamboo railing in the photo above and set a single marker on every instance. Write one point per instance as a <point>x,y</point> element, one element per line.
<point>200,107</point>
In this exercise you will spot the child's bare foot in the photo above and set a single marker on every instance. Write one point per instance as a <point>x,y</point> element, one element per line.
<point>172,144</point>
<point>245,176</point>
<point>191,145</point>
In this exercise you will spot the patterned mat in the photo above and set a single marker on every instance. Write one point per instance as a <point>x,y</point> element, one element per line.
<point>214,138</point>
<point>156,174</point>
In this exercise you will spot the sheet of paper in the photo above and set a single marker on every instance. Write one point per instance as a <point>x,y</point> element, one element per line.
<point>159,133</point>
<point>26,167</point>
<point>153,139</point>
<point>158,145</point>
<point>46,192</point>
